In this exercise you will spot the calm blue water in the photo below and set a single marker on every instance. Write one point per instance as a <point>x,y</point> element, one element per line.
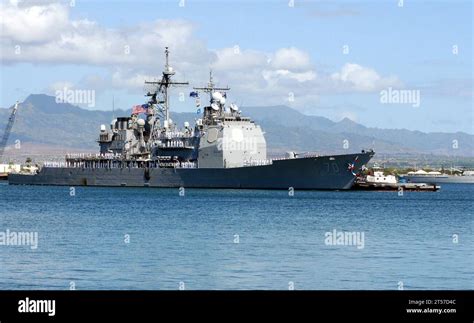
<point>190,239</point>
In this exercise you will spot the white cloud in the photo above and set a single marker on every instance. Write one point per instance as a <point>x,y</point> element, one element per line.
<point>36,24</point>
<point>290,59</point>
<point>46,34</point>
<point>272,76</point>
<point>360,78</point>
<point>130,80</point>
<point>234,58</point>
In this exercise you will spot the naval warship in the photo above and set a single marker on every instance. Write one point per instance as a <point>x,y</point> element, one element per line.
<point>223,149</point>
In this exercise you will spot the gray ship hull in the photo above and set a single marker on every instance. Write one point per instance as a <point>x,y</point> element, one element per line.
<point>311,173</point>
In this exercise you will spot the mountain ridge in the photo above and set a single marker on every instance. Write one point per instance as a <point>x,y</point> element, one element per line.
<point>41,120</point>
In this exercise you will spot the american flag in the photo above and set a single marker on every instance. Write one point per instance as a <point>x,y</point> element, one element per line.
<point>137,109</point>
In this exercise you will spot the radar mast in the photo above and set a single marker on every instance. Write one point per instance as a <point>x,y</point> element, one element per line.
<point>161,91</point>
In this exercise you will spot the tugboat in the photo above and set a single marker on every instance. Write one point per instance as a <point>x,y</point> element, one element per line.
<point>377,180</point>
<point>224,149</point>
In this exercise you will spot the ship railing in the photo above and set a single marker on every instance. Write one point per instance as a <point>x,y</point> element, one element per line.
<point>298,156</point>
<point>264,162</point>
<point>310,155</point>
<point>53,164</point>
<point>174,144</point>
<point>187,165</point>
<point>92,156</point>
<point>167,165</point>
<point>177,164</point>
<point>105,164</point>
<point>258,162</point>
<point>175,134</point>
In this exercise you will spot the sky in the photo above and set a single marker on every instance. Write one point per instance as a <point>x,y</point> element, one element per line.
<point>387,64</point>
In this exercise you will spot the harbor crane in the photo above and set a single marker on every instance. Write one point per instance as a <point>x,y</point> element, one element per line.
<point>8,129</point>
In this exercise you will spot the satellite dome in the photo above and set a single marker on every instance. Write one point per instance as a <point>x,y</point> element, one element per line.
<point>217,96</point>
<point>141,122</point>
<point>222,101</point>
